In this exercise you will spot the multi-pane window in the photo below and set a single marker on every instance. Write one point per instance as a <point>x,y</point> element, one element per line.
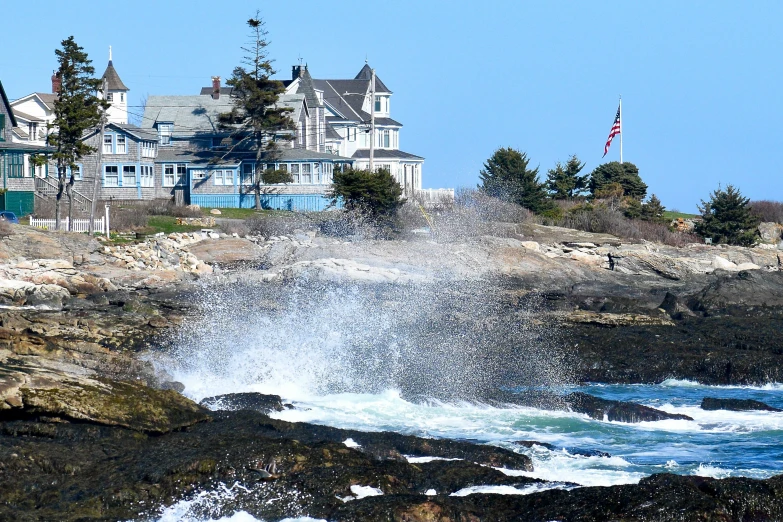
<point>147,179</point>
<point>129,176</point>
<point>328,171</point>
<point>76,172</point>
<point>351,133</point>
<point>111,177</point>
<point>15,164</point>
<point>307,173</point>
<point>198,174</point>
<point>164,133</point>
<point>168,176</point>
<point>32,129</point>
<point>182,174</point>
<point>377,104</point>
<point>295,173</point>
<point>223,177</point>
<point>147,149</point>
<point>110,97</point>
<point>247,173</point>
<point>121,144</point>
<point>108,144</point>
<point>386,138</point>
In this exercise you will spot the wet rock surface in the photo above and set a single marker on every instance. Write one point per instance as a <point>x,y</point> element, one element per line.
<point>602,409</point>
<point>245,401</point>
<point>712,403</point>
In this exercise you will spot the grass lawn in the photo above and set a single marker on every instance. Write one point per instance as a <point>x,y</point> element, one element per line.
<point>674,215</point>
<point>167,225</point>
<point>242,213</point>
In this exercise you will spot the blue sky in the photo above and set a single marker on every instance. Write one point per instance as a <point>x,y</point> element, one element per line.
<point>700,80</point>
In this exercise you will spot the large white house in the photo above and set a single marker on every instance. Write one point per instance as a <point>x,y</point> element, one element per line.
<point>346,128</point>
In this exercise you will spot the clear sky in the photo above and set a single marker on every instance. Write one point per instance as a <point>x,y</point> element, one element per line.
<point>700,80</point>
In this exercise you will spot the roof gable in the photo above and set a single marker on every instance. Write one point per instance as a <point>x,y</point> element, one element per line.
<point>366,74</point>
<point>7,106</point>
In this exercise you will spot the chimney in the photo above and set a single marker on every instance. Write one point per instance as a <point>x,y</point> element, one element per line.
<point>56,83</point>
<point>215,87</point>
<point>296,72</point>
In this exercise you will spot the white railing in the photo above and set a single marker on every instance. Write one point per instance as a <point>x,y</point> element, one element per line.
<point>445,195</point>
<point>79,225</point>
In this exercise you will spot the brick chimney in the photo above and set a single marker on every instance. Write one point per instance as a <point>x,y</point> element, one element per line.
<point>215,87</point>
<point>56,83</point>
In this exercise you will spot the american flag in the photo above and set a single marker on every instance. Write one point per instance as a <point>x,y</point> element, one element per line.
<point>616,129</point>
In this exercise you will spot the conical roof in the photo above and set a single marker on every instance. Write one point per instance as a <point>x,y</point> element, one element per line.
<point>366,74</point>
<point>113,82</point>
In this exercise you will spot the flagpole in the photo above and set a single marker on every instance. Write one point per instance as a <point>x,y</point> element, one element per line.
<point>621,129</point>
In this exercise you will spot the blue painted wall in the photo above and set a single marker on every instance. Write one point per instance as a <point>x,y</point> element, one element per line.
<point>295,202</point>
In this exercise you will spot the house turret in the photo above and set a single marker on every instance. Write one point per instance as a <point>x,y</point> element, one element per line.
<point>116,94</point>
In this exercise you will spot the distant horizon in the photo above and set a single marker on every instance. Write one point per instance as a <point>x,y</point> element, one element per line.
<point>698,81</point>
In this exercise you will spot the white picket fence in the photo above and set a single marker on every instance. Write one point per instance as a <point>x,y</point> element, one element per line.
<point>79,225</point>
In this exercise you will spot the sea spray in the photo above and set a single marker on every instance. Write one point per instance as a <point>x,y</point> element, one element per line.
<point>456,341</point>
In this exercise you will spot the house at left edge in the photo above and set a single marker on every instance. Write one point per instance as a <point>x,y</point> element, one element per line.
<point>16,170</point>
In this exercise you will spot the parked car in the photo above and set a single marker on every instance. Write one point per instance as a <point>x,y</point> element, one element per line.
<point>9,217</point>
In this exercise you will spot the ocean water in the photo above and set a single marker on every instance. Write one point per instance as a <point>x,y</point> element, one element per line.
<point>345,360</point>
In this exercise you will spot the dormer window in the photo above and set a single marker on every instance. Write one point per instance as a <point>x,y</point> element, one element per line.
<point>381,103</point>
<point>164,133</point>
<point>377,104</point>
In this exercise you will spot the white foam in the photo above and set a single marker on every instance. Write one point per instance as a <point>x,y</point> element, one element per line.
<point>350,443</point>
<point>430,492</point>
<point>507,490</point>
<point>684,383</point>
<point>365,491</point>
<point>424,460</point>
<point>708,470</point>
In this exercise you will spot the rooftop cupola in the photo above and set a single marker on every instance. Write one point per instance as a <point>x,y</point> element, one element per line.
<point>116,94</point>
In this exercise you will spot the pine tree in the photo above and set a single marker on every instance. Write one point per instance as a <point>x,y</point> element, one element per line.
<point>653,210</point>
<point>506,176</point>
<point>727,218</point>
<point>564,181</point>
<point>256,119</point>
<point>374,194</point>
<point>626,174</point>
<point>77,109</point>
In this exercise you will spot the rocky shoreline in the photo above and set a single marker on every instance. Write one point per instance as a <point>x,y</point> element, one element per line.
<point>91,430</point>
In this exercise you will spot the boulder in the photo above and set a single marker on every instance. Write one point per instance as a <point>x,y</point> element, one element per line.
<point>602,409</point>
<point>771,232</point>
<point>227,251</point>
<point>44,393</point>
<point>712,403</point>
<point>245,401</point>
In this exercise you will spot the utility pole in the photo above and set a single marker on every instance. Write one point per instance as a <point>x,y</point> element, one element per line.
<point>96,184</point>
<point>372,122</point>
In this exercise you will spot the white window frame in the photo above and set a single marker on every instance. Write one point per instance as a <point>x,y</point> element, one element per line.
<point>169,178</point>
<point>164,133</point>
<point>115,176</point>
<point>110,97</point>
<point>386,139</point>
<point>121,144</point>
<point>147,176</point>
<point>108,145</point>
<point>147,149</point>
<point>307,174</point>
<point>199,174</point>
<point>129,168</point>
<point>296,173</point>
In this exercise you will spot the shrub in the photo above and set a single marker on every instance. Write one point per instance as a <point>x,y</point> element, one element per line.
<point>726,218</point>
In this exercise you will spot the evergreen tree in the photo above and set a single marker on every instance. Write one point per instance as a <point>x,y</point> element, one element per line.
<point>626,174</point>
<point>374,194</point>
<point>564,181</point>
<point>77,109</point>
<point>727,218</point>
<point>653,210</point>
<point>256,119</point>
<point>506,176</point>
